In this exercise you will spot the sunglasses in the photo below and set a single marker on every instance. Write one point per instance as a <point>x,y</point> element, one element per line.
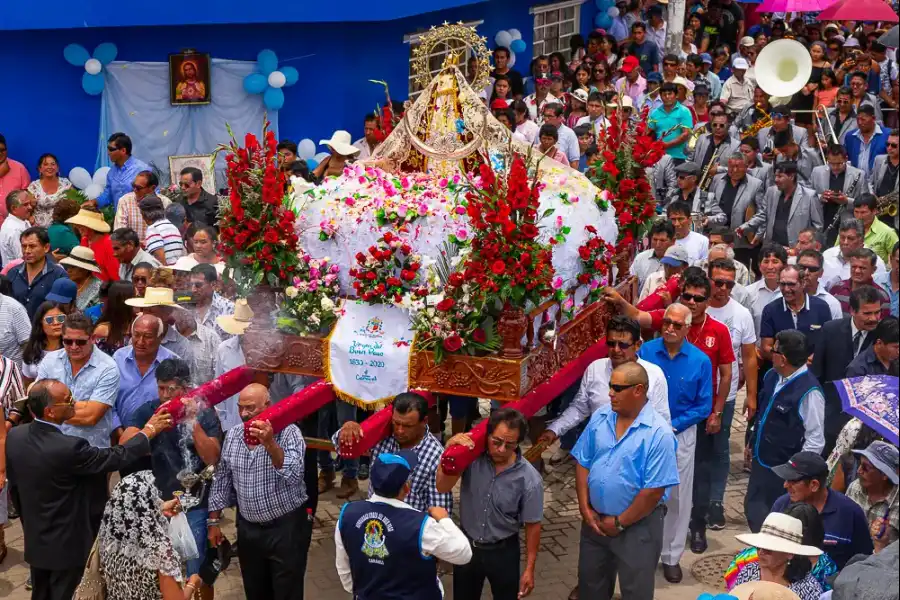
<point>184,185</point>
<point>892,144</point>
<point>809,268</point>
<point>693,298</point>
<point>724,283</point>
<point>71,342</point>
<point>69,401</point>
<point>621,387</point>
<point>499,443</point>
<point>137,187</point>
<point>673,324</point>
<point>719,126</point>
<point>139,280</point>
<point>197,284</point>
<point>619,345</point>
<point>58,319</point>
<point>112,149</point>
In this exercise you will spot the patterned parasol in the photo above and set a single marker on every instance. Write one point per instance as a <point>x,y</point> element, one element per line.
<point>873,400</point>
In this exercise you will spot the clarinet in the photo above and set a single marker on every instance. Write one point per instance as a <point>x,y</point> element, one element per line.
<point>840,212</point>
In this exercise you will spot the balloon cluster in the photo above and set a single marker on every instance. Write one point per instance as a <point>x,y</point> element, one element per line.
<point>306,150</point>
<point>269,80</point>
<point>92,80</point>
<point>511,39</point>
<point>91,186</point>
<point>606,12</point>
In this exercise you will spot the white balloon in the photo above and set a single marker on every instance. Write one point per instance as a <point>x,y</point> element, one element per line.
<point>100,176</point>
<point>503,39</point>
<point>321,156</point>
<point>277,79</point>
<point>613,12</point>
<point>306,149</point>
<point>93,191</point>
<point>512,59</point>
<point>80,178</point>
<point>93,66</point>
<point>515,34</point>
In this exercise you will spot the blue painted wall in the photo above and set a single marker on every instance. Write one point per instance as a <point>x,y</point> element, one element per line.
<point>43,109</point>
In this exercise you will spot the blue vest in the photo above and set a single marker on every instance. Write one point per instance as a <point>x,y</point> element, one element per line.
<point>385,550</point>
<point>780,431</point>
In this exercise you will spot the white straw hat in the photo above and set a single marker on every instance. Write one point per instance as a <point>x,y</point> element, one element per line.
<point>237,323</point>
<point>762,590</point>
<point>780,533</point>
<point>90,219</point>
<point>341,142</point>
<point>154,296</point>
<point>82,258</point>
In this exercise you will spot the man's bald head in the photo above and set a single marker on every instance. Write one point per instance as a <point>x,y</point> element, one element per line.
<point>148,323</point>
<point>252,400</point>
<point>47,398</point>
<point>634,374</point>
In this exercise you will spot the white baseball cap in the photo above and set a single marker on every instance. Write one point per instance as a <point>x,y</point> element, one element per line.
<point>741,63</point>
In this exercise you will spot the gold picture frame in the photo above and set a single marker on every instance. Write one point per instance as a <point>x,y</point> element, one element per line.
<point>204,162</point>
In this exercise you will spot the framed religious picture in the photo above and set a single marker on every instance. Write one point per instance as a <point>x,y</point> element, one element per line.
<point>189,78</point>
<point>204,162</point>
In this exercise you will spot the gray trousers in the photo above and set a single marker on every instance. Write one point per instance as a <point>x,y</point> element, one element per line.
<point>632,555</point>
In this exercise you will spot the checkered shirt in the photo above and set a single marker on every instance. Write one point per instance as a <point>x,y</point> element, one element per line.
<point>245,476</point>
<point>129,215</point>
<point>204,343</point>
<point>218,307</point>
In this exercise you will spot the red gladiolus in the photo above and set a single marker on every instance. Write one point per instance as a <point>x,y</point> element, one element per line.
<point>271,236</point>
<point>453,343</point>
<point>456,279</point>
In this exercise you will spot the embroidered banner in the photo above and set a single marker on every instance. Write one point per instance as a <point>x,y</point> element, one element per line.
<point>368,355</point>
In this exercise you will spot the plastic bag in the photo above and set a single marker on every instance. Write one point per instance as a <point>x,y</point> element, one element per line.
<point>182,538</point>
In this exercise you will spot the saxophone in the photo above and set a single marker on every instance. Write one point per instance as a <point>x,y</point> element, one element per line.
<point>759,124</point>
<point>840,212</point>
<point>887,204</point>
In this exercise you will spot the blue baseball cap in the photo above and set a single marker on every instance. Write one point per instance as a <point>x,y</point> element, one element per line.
<point>654,76</point>
<point>389,472</point>
<point>63,291</point>
<point>706,58</point>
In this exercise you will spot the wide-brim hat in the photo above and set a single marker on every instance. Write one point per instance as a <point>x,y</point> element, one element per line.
<point>883,457</point>
<point>237,323</point>
<point>185,263</point>
<point>762,590</point>
<point>153,296</point>
<point>83,258</point>
<point>341,142</point>
<point>780,533</point>
<point>90,219</point>
<point>580,95</point>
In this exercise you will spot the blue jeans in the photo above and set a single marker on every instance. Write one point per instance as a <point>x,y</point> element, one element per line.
<point>711,464</point>
<point>197,520</point>
<point>721,456</point>
<point>343,412</point>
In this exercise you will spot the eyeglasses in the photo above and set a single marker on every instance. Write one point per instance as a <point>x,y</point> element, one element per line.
<point>184,185</point>
<point>809,268</point>
<point>138,188</point>
<point>71,342</point>
<point>724,283</point>
<point>197,284</point>
<point>619,345</point>
<point>693,298</point>
<point>69,401</point>
<point>501,444</point>
<point>673,324</point>
<point>719,125</point>
<point>58,319</point>
<point>138,280</point>
<point>621,387</point>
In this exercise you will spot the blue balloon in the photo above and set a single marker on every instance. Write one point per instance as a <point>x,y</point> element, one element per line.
<point>75,54</point>
<point>255,83</point>
<point>517,46</point>
<point>291,75</point>
<point>92,84</point>
<point>273,98</point>
<point>604,5</point>
<point>266,62</point>
<point>603,21</point>
<point>311,163</point>
<point>106,53</point>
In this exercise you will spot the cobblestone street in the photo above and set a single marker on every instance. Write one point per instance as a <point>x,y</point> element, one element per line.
<point>557,567</point>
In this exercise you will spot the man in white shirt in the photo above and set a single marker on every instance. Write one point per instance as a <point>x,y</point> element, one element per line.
<point>595,117</point>
<point>772,259</point>
<point>810,264</point>
<point>836,267</point>
<point>697,245</point>
<point>737,91</point>
<point>623,337</point>
<point>20,206</point>
<point>540,98</point>
<point>662,237</point>
<point>369,142</point>
<point>674,262</point>
<point>568,141</point>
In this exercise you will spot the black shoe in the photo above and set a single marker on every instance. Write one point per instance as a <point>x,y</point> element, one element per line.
<point>363,472</point>
<point>715,518</point>
<point>698,541</point>
<point>672,573</point>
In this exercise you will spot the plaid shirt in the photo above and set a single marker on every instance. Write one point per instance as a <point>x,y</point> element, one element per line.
<point>883,516</point>
<point>204,343</point>
<point>423,493</point>
<point>247,478</point>
<point>841,291</point>
<point>218,307</point>
<point>129,215</point>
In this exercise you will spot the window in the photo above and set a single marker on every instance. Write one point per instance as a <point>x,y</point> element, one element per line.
<point>436,58</point>
<point>554,24</point>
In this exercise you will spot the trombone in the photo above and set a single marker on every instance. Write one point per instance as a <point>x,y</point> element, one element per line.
<point>820,113</point>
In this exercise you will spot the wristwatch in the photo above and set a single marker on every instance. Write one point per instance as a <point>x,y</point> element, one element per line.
<point>619,527</point>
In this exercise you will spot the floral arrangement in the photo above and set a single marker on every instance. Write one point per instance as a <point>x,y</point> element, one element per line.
<point>626,150</point>
<point>257,234</point>
<point>310,306</point>
<point>387,272</point>
<point>596,257</point>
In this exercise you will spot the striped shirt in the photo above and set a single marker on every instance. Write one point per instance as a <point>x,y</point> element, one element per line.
<point>15,328</point>
<point>163,234</point>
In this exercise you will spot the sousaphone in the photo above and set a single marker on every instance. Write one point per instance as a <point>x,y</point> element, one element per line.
<point>783,68</point>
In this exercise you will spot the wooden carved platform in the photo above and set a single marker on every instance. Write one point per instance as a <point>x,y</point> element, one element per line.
<point>477,376</point>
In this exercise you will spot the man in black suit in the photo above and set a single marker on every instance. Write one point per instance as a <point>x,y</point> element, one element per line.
<point>838,344</point>
<point>53,474</point>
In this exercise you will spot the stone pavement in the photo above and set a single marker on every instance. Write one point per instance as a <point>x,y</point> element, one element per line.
<point>557,566</point>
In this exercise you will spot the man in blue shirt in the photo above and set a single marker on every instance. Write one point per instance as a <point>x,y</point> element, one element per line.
<point>689,376</point>
<point>31,281</point>
<point>845,524</point>
<point>626,464</point>
<point>122,172</point>
<point>795,309</point>
<point>137,365</point>
<point>672,122</point>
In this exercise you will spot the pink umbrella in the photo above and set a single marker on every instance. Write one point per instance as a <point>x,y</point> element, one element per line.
<point>795,6</point>
<point>859,10</point>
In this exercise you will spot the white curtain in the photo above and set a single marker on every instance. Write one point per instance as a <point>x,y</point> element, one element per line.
<point>136,102</point>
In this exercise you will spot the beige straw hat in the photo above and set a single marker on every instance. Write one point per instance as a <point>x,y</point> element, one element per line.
<point>154,296</point>
<point>82,258</point>
<point>780,533</point>
<point>237,323</point>
<point>762,590</point>
<point>90,219</point>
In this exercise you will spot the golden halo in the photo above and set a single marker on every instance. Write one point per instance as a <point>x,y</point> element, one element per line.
<point>456,37</point>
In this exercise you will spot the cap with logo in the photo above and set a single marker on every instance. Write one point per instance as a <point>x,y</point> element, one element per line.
<point>802,465</point>
<point>676,256</point>
<point>630,64</point>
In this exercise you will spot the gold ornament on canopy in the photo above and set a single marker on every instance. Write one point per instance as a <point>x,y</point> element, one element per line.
<point>457,38</point>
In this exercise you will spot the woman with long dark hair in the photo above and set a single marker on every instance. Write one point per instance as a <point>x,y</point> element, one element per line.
<point>48,189</point>
<point>46,336</point>
<point>114,325</point>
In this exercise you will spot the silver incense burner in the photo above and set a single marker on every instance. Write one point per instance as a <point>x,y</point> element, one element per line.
<point>191,481</point>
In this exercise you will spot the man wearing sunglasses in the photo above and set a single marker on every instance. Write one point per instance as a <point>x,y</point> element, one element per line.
<point>884,174</point>
<point>719,144</point>
<point>128,213</point>
<point>209,304</point>
<point>122,171</point>
<point>810,262</point>
<point>781,121</point>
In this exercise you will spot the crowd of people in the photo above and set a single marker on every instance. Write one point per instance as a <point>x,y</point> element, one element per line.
<point>773,271</point>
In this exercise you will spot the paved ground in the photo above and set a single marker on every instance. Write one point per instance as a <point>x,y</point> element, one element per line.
<point>557,563</point>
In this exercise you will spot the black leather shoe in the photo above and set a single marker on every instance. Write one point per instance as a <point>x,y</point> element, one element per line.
<point>698,541</point>
<point>672,573</point>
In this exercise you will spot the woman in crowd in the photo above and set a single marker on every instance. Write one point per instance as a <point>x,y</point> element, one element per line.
<point>140,277</point>
<point>204,241</point>
<point>782,558</point>
<point>48,189</point>
<point>114,324</point>
<point>581,79</point>
<point>94,232</point>
<point>608,47</point>
<point>558,63</point>
<point>46,336</point>
<point>524,125</point>
<point>601,81</point>
<point>82,268</point>
<point>687,43</point>
<point>62,235</point>
<point>818,51</point>
<point>720,63</point>
<point>501,90</point>
<point>843,462</point>
<point>577,107</point>
<point>828,88</point>
<point>342,152</point>
<point>701,38</point>
<point>576,51</point>
<point>137,559</point>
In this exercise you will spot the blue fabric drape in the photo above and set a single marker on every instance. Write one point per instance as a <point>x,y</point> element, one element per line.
<point>136,102</point>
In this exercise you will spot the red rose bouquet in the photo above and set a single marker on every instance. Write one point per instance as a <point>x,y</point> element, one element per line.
<point>387,272</point>
<point>596,258</point>
<point>257,234</point>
